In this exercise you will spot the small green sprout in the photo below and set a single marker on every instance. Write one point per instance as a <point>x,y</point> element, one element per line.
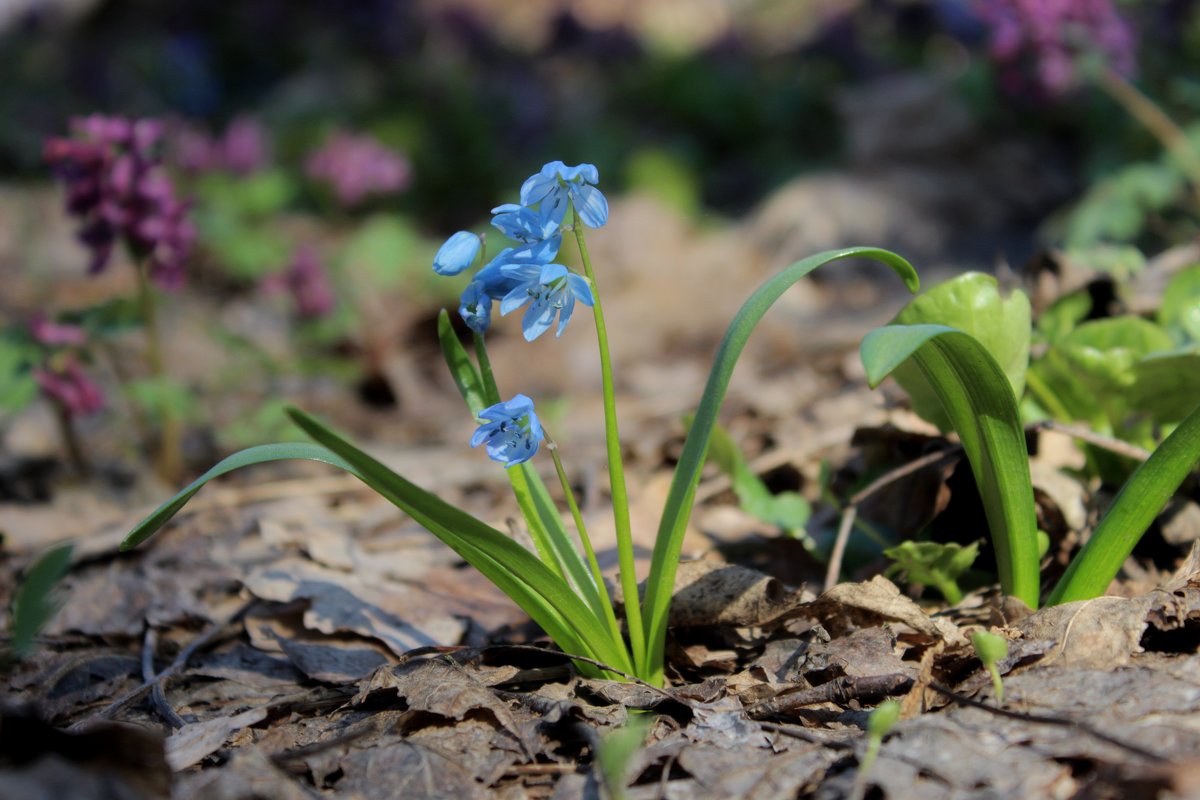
<point>991,649</point>
<point>936,564</point>
<point>879,724</point>
<point>615,752</point>
<point>35,602</point>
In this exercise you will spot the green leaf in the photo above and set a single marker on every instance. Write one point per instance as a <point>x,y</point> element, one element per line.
<point>156,394</point>
<point>989,647</point>
<point>617,750</point>
<point>1179,313</point>
<point>263,194</point>
<point>546,528</point>
<point>465,376</point>
<point>1121,261</point>
<point>382,249</point>
<point>979,402</point>
<point>543,594</point>
<point>1134,508</point>
<point>17,384</point>
<point>678,507</point>
<point>35,603</point>
<point>972,304</point>
<point>936,564</point>
<point>1064,315</point>
<point>1166,385</point>
<point>516,571</point>
<point>786,510</point>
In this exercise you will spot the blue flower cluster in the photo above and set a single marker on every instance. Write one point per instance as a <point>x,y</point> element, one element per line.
<point>526,272</point>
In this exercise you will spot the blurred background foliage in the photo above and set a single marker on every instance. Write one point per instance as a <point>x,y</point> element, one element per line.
<point>712,103</point>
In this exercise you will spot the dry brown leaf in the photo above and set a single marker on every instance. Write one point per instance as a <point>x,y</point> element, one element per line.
<point>850,605</point>
<point>191,743</point>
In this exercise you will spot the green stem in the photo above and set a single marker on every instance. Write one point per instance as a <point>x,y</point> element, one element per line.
<point>170,455</point>
<point>609,616</point>
<point>1151,117</point>
<point>616,468</point>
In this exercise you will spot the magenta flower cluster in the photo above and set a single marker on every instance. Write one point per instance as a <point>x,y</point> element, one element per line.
<point>116,184</point>
<point>61,377</point>
<point>243,149</point>
<point>1041,41</point>
<point>357,167</point>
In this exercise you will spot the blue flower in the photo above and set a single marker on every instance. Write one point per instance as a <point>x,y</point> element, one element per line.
<point>550,290</point>
<point>456,253</point>
<point>527,226</point>
<point>475,307</point>
<point>511,432</point>
<point>556,184</point>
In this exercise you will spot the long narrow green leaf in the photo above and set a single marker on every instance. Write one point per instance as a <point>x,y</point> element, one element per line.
<point>978,399</point>
<point>292,451</point>
<point>1134,508</point>
<point>507,564</point>
<point>559,626</point>
<point>550,536</point>
<point>678,507</point>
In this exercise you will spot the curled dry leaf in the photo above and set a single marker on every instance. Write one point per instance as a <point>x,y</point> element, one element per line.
<point>856,605</point>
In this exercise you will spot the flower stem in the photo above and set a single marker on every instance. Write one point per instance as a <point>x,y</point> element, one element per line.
<point>616,468</point>
<point>66,425</point>
<point>1151,117</point>
<point>170,455</point>
<point>609,616</point>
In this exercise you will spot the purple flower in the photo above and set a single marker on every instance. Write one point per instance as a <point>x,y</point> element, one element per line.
<point>357,167</point>
<point>243,149</point>
<point>117,186</point>
<point>1050,36</point>
<point>66,384</point>
<point>54,334</point>
<point>307,280</point>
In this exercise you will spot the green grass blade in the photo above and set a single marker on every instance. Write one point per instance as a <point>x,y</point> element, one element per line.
<point>979,401</point>
<point>678,507</point>
<point>1134,508</point>
<point>510,566</point>
<point>35,602</point>
<point>550,536</point>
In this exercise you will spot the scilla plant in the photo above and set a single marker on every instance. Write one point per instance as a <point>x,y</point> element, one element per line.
<point>557,583</point>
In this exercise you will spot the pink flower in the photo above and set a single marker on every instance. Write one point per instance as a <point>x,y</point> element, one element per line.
<point>68,385</point>
<point>307,280</point>
<point>1047,37</point>
<point>54,334</point>
<point>358,166</point>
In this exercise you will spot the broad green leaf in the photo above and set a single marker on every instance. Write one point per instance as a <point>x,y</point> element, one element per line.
<point>1064,315</point>
<point>1116,209</point>
<point>616,751</point>
<point>262,194</point>
<point>155,394</point>
<point>35,603</point>
<point>936,564</point>
<point>665,176</point>
<point>17,384</point>
<point>972,304</point>
<point>1134,508</point>
<point>1179,313</point>
<point>1121,261</point>
<point>678,507</point>
<point>979,402</point>
<point>380,249</point>
<point>1166,385</point>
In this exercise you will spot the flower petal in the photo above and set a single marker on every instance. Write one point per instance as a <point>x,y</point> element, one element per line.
<point>456,253</point>
<point>591,205</point>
